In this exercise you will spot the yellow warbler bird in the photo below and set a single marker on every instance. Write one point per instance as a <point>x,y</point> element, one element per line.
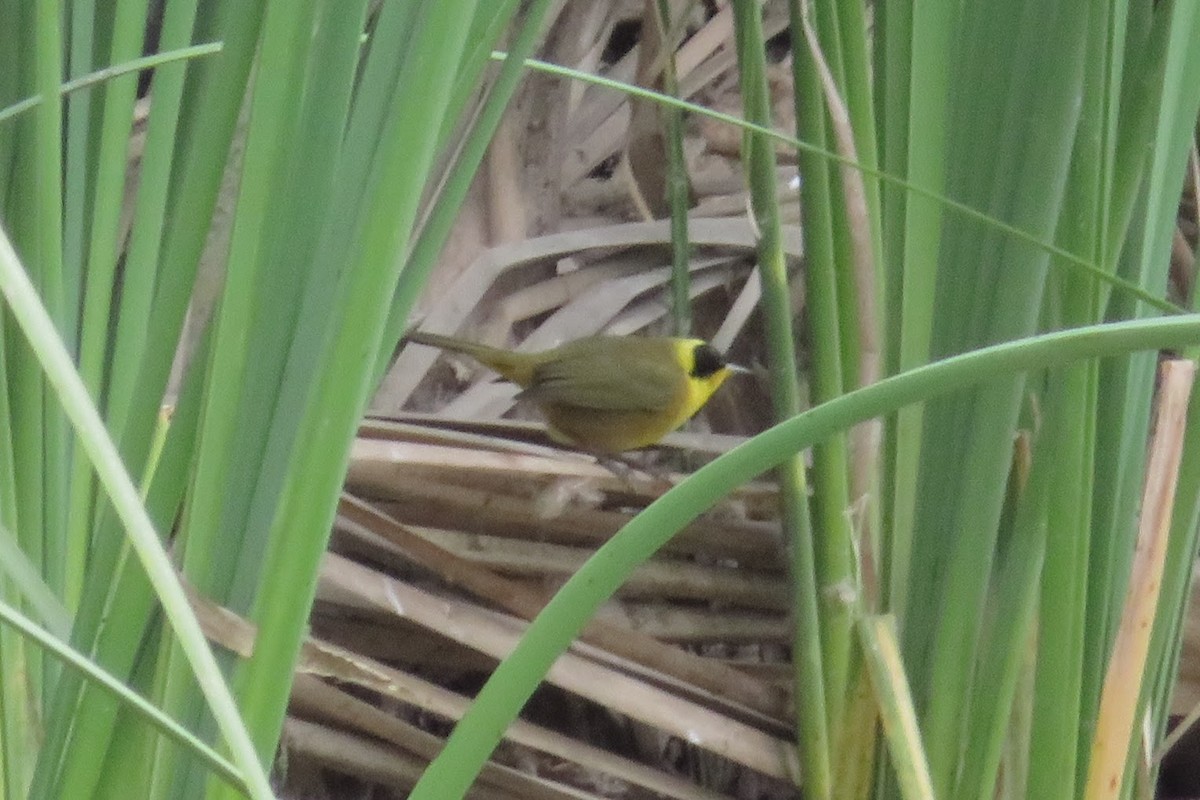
<point>607,394</point>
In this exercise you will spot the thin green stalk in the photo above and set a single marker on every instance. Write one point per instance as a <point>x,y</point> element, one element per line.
<point>142,268</point>
<point>821,631</point>
<point>142,256</point>
<point>860,104</point>
<point>48,66</point>
<point>1144,50</point>
<point>916,129</point>
<point>823,51</point>
<point>12,83</point>
<point>882,656</point>
<point>20,665</point>
<point>1073,552</point>
<point>81,56</point>
<point>18,712</point>
<point>677,182</point>
<point>1058,688</point>
<point>108,73</point>
<point>846,92</point>
<point>1011,627</point>
<point>77,176</point>
<point>18,731</point>
<point>134,741</point>
<point>1064,663</point>
<point>49,255</point>
<point>109,168</point>
<point>514,680</point>
<point>26,385</point>
<point>110,165</point>
<point>8,483</point>
<point>1070,412</point>
<point>824,214</point>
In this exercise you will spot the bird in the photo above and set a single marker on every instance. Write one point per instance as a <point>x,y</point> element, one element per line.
<point>606,394</point>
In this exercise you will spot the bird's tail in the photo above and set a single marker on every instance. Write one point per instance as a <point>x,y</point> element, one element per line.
<point>516,367</point>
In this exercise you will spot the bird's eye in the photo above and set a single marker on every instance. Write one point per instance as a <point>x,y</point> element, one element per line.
<point>706,361</point>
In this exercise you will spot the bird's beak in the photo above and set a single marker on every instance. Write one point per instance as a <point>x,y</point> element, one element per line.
<point>739,368</point>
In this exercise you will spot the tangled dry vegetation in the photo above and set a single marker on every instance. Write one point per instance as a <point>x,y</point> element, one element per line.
<point>456,524</point>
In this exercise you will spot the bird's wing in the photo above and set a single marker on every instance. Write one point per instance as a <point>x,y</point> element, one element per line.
<point>598,381</point>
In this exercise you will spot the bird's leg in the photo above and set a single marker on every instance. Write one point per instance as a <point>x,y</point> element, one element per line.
<point>624,468</point>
